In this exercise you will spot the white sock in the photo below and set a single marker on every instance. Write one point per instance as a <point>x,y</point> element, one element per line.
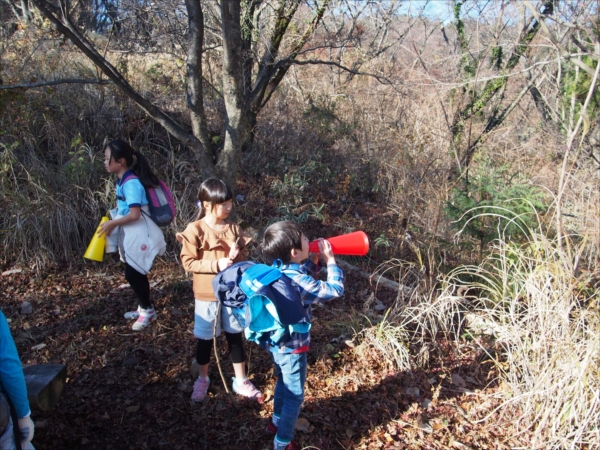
<point>239,381</point>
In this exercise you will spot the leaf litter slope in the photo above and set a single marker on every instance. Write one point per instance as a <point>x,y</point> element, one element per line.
<point>132,390</point>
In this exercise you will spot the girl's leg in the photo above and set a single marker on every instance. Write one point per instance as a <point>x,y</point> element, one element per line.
<point>203,350</point>
<point>292,373</point>
<point>204,321</point>
<point>236,352</point>
<point>140,285</point>
<point>241,384</point>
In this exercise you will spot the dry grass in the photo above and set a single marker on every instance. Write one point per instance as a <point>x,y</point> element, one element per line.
<point>539,304</point>
<point>545,319</point>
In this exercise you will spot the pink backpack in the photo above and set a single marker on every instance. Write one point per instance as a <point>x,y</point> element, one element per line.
<point>160,202</point>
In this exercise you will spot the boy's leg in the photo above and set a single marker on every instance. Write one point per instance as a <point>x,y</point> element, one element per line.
<point>291,372</point>
<point>279,393</point>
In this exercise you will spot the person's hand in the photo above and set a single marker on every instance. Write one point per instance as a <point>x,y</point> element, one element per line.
<point>314,256</point>
<point>234,252</point>
<point>106,228</point>
<point>27,428</point>
<point>224,263</point>
<point>326,251</point>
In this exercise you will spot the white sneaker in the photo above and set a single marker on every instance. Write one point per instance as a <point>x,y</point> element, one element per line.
<point>130,315</point>
<point>147,316</point>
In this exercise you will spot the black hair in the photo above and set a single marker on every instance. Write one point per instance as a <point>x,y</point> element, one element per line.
<point>278,241</point>
<point>120,149</point>
<point>215,192</point>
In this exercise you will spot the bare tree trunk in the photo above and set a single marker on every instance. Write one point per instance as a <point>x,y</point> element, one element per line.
<point>236,126</point>
<point>195,97</point>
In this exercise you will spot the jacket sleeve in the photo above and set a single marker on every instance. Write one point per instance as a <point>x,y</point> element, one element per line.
<point>11,371</point>
<point>312,290</point>
<point>192,253</point>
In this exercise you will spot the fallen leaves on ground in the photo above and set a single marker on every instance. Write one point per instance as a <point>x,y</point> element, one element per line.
<point>131,390</point>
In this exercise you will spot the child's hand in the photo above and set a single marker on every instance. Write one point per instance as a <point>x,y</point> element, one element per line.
<point>106,228</point>
<point>326,251</point>
<point>224,263</point>
<point>234,252</point>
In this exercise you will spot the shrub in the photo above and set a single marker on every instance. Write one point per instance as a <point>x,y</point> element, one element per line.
<point>494,199</point>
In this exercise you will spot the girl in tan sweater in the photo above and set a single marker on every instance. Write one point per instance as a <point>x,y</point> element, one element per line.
<point>210,244</point>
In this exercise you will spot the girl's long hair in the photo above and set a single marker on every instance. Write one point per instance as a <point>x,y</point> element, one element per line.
<point>121,149</point>
<point>215,192</point>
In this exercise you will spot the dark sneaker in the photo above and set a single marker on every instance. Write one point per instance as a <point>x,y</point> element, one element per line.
<point>271,429</point>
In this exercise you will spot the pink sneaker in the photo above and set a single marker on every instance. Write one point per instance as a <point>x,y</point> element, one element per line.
<point>130,315</point>
<point>246,388</point>
<point>200,389</point>
<point>145,319</point>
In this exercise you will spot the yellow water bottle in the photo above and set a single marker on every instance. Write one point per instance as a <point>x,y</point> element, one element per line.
<point>95,250</point>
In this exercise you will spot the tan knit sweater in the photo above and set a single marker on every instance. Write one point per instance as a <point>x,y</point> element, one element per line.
<point>202,247</point>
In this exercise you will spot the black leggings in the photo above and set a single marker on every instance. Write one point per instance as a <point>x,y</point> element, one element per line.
<point>236,349</point>
<point>140,285</point>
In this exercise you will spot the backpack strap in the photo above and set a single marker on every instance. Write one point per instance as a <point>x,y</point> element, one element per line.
<point>131,176</point>
<point>257,277</point>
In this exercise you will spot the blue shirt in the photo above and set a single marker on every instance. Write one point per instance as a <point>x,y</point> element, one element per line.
<point>11,371</point>
<point>132,193</point>
<point>311,291</point>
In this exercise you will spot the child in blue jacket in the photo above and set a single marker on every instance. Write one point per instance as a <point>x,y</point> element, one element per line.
<point>285,245</point>
<point>13,386</point>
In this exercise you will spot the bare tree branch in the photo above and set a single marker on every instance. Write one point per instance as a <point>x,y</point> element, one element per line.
<point>497,119</point>
<point>561,49</point>
<point>572,134</point>
<point>381,79</point>
<point>54,83</point>
<point>265,94</point>
<point>62,23</point>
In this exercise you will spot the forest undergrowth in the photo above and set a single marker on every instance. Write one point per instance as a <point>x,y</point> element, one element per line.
<point>483,334</point>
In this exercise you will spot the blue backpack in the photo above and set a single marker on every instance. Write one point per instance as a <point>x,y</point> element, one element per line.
<point>263,300</point>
